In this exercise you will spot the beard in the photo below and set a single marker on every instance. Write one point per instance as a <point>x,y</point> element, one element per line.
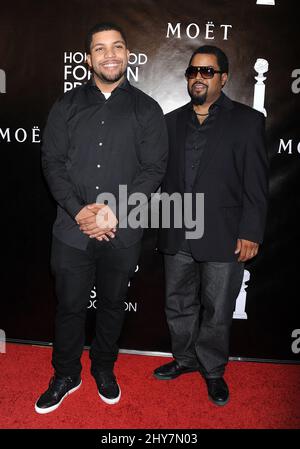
<point>109,79</point>
<point>197,98</point>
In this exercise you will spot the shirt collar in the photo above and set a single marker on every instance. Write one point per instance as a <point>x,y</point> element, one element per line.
<point>221,102</point>
<point>125,85</point>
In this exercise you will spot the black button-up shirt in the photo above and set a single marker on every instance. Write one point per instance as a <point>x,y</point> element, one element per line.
<point>196,140</point>
<point>92,145</point>
<point>197,136</point>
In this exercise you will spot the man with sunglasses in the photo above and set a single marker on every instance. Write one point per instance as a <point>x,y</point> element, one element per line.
<point>216,147</point>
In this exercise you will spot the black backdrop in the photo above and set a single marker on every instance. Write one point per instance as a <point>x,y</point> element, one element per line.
<point>41,50</point>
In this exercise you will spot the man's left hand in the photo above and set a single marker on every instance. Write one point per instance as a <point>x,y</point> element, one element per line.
<point>246,249</point>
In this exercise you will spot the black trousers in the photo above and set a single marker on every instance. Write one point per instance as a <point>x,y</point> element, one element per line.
<point>200,301</point>
<point>76,272</point>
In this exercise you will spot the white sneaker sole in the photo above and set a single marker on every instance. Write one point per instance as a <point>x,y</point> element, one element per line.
<point>111,401</point>
<point>43,411</point>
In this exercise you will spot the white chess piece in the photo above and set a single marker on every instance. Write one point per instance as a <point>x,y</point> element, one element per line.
<point>240,304</point>
<point>261,66</point>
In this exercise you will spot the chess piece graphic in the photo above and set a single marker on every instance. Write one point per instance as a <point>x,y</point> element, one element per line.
<point>261,66</point>
<point>240,305</point>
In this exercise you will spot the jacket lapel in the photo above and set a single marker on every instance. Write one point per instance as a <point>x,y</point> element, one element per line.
<point>181,129</point>
<point>215,137</point>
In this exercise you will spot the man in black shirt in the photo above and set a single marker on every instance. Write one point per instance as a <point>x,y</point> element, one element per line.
<point>98,136</point>
<point>216,148</point>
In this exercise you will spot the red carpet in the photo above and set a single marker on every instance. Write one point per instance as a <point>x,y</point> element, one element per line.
<point>263,396</point>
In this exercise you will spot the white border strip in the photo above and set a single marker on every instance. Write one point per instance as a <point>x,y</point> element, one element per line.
<point>151,353</point>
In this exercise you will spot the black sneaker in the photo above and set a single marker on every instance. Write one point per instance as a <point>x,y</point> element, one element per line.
<point>108,388</point>
<point>59,389</point>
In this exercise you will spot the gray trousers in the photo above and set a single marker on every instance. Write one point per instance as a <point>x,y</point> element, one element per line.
<point>200,301</point>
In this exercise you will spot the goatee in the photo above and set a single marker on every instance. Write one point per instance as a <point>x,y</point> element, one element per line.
<point>198,100</point>
<point>111,79</point>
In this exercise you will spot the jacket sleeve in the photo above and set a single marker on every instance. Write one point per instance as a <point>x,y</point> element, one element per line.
<point>255,184</point>
<point>55,144</point>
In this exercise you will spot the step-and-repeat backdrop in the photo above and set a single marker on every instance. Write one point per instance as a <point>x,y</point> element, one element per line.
<point>42,56</point>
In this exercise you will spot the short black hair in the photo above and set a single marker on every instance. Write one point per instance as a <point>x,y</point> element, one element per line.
<point>212,50</point>
<point>103,26</point>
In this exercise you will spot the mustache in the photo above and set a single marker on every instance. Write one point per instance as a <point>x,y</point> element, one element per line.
<point>111,61</point>
<point>197,83</point>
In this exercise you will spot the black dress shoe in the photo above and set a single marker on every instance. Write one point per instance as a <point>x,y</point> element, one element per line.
<point>218,391</point>
<point>59,388</point>
<point>172,370</point>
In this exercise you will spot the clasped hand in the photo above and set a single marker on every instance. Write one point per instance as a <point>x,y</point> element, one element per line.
<point>97,221</point>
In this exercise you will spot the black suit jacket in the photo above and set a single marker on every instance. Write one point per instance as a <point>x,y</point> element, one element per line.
<point>233,175</point>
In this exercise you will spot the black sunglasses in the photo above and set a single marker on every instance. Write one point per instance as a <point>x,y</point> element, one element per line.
<point>205,71</point>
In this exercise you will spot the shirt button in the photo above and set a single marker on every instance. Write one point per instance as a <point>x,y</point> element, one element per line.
<point>98,165</point>
<point>97,187</point>
<point>100,144</point>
